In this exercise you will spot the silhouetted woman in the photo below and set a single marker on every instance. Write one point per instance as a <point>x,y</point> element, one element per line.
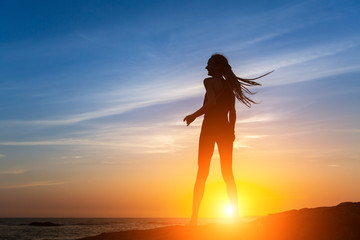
<point>219,126</point>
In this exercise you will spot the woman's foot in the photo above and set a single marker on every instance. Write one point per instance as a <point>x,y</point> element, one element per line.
<point>192,222</point>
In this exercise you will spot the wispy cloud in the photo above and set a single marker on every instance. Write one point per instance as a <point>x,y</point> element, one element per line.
<point>298,57</point>
<point>12,172</point>
<point>258,118</point>
<point>239,145</point>
<point>140,143</point>
<point>33,184</point>
<point>125,100</point>
<point>44,143</point>
<point>2,155</point>
<point>73,142</point>
<point>254,136</point>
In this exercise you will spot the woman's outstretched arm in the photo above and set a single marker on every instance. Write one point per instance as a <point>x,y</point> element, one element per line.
<point>210,94</point>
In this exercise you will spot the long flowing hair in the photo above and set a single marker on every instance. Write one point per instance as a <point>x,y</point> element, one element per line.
<point>237,85</point>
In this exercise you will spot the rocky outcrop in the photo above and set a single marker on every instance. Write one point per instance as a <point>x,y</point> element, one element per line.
<point>43,224</point>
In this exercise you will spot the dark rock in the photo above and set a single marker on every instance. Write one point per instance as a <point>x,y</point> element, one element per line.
<point>44,224</point>
<point>338,222</point>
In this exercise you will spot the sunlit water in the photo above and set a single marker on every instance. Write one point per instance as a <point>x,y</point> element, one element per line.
<point>74,228</point>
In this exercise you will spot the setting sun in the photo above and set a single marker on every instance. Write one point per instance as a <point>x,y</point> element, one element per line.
<point>229,211</point>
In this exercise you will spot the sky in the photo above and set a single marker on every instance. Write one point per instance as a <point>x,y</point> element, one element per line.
<point>93,94</point>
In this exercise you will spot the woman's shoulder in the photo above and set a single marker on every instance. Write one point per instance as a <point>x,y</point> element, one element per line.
<point>208,79</point>
<point>212,81</point>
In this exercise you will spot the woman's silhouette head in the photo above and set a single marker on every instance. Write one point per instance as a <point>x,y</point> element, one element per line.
<point>218,66</point>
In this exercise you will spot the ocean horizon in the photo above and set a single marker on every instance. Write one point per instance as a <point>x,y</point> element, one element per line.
<point>75,228</point>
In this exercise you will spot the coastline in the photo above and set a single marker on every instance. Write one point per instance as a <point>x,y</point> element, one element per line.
<point>335,223</point>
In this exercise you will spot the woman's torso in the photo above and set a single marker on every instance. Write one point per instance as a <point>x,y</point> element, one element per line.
<point>218,114</point>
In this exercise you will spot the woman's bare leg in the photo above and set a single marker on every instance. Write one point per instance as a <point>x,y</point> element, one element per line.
<point>206,149</point>
<point>225,152</point>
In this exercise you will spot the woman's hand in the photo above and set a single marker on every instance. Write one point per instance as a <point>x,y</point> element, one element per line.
<point>189,119</point>
<point>233,136</point>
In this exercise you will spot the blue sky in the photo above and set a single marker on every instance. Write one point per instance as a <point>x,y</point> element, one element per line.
<point>85,79</point>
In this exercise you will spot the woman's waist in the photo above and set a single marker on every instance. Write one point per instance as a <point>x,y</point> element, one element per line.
<point>216,121</point>
<point>216,117</point>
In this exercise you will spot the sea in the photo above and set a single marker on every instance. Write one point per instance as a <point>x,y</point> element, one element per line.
<point>75,228</point>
